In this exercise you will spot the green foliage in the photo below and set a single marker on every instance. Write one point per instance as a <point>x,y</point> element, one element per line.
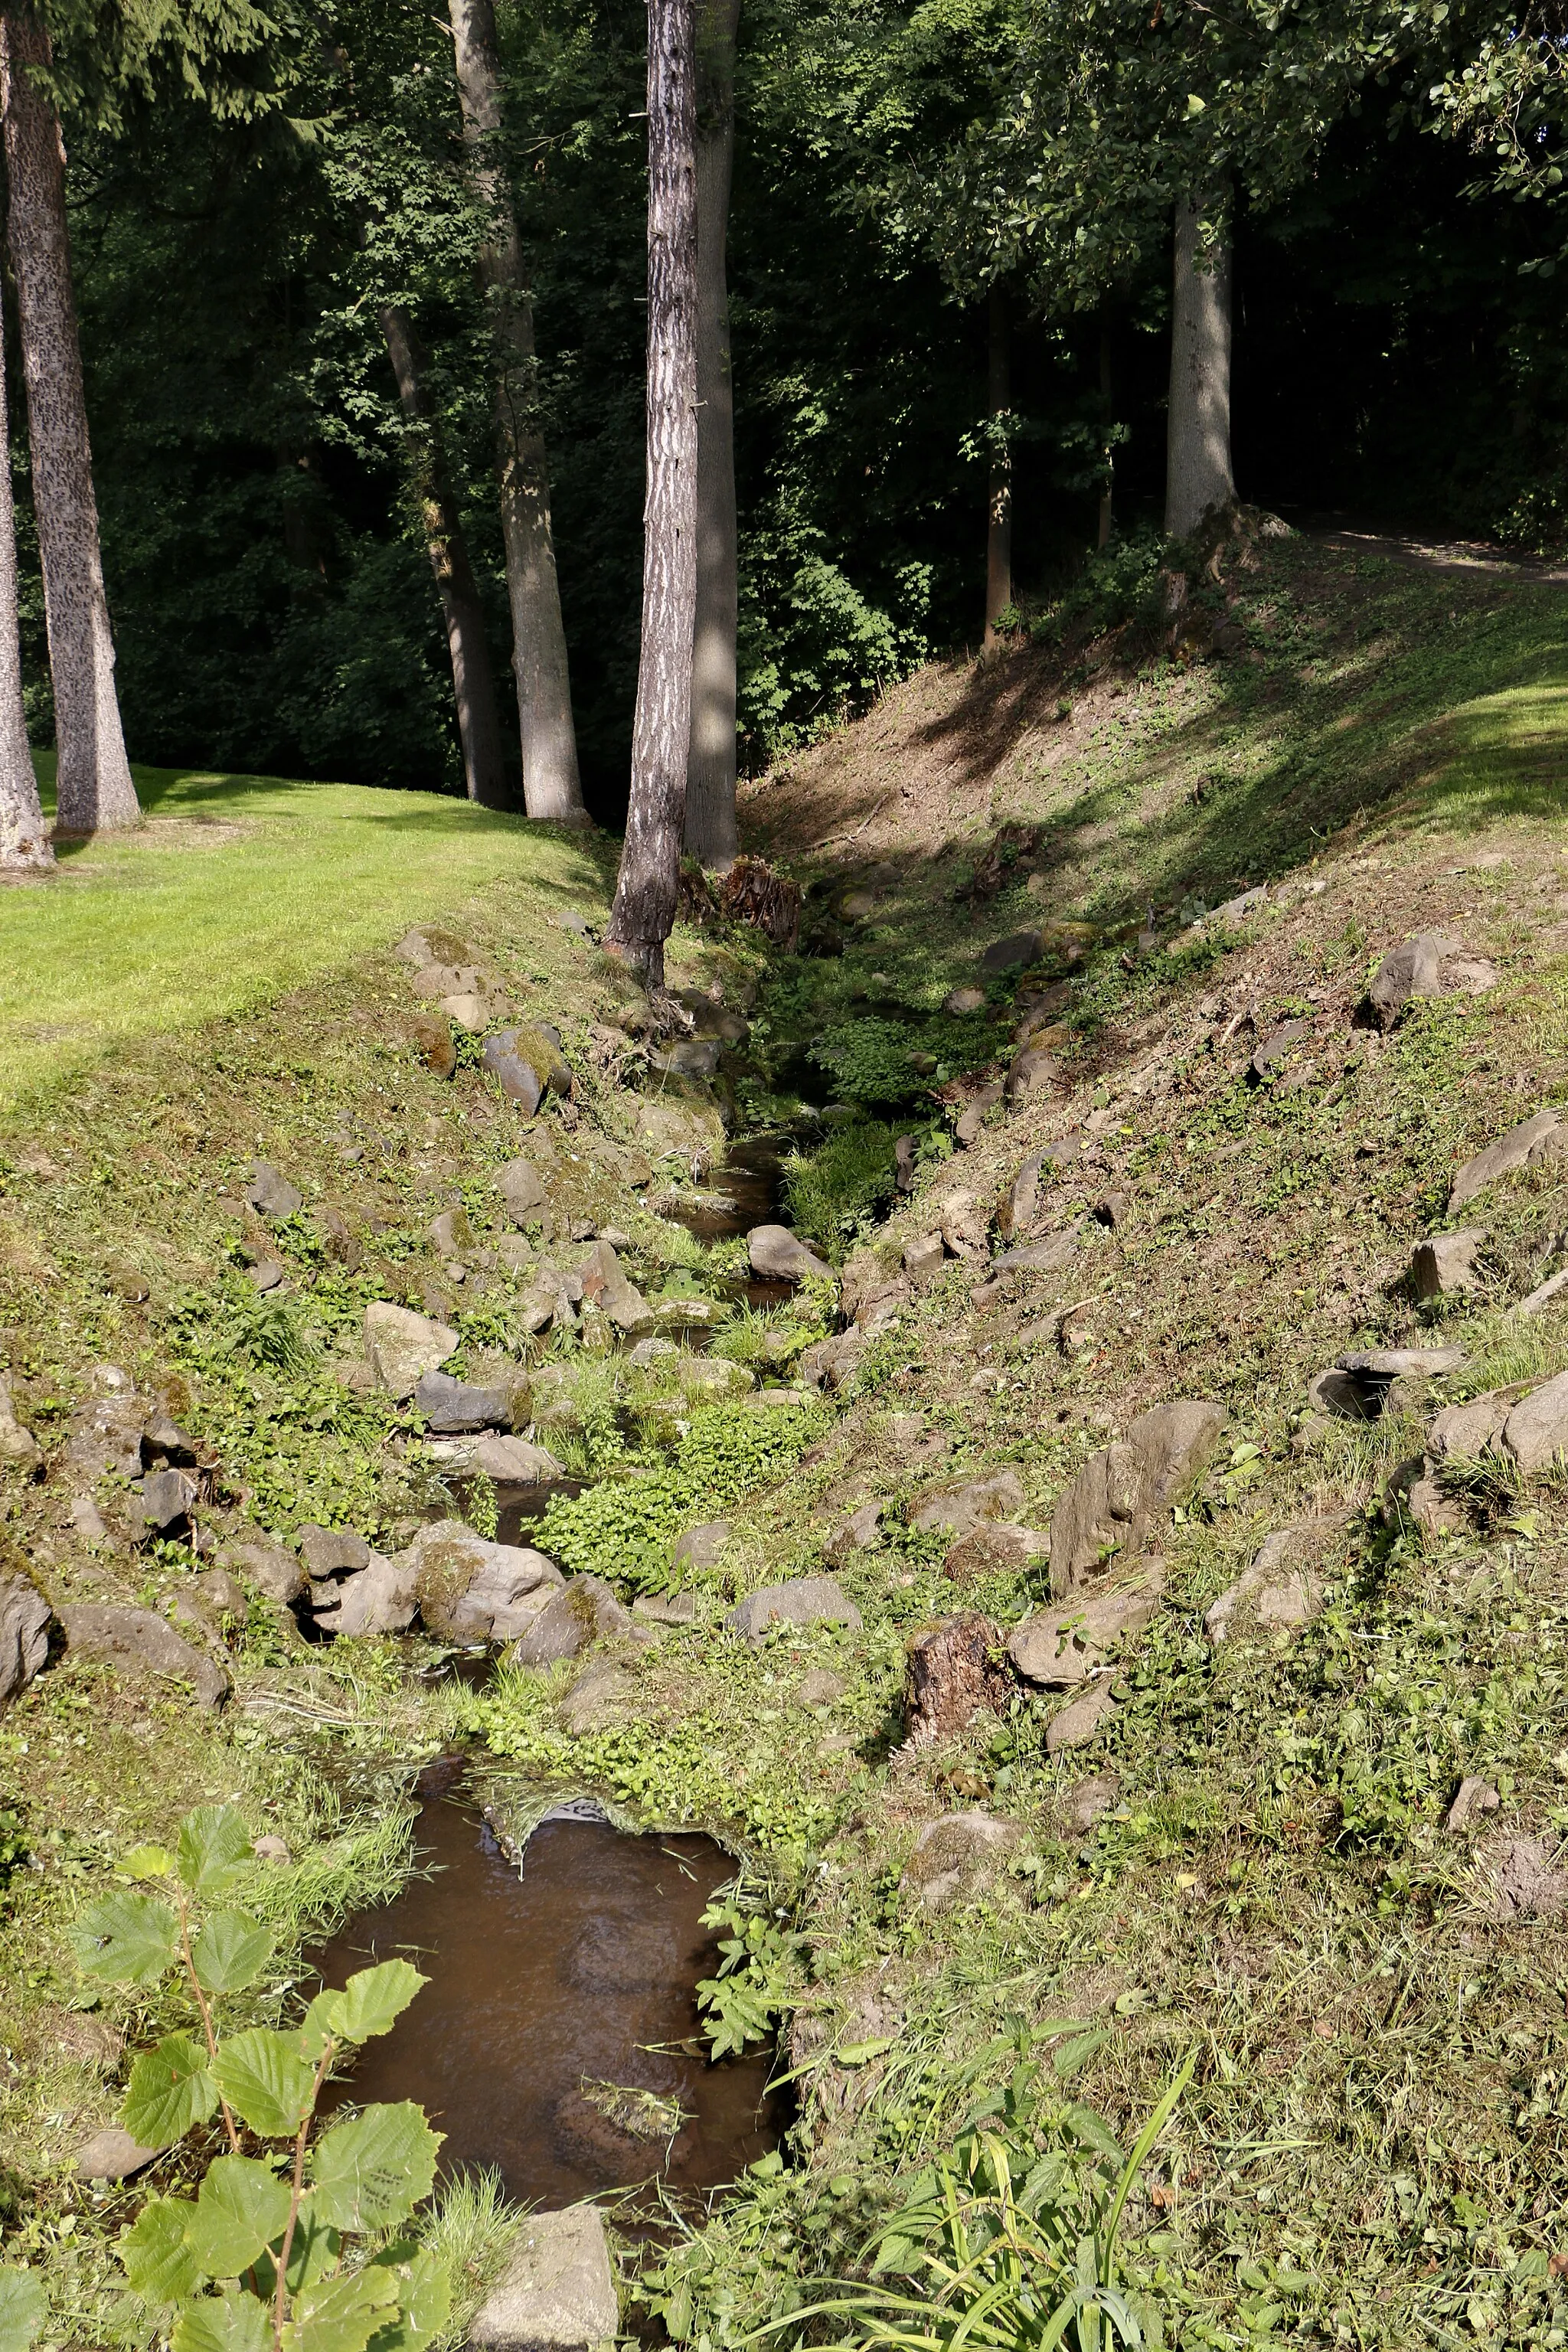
<point>22,2308</point>
<point>262,2247</point>
<point>868,1058</point>
<point>1119,583</point>
<point>833,1190</point>
<point>758,1976</point>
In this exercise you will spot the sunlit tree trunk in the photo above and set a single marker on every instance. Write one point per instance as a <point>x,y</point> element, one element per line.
<point>24,844</point>
<point>999,500</point>
<point>648,880</point>
<point>1197,443</point>
<point>711,831</point>
<point>550,787</point>
<point>473,683</point>
<point>95,790</point>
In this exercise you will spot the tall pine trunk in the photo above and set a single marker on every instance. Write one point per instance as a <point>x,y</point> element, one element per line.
<point>648,880</point>
<point>550,787</point>
<point>473,682</point>
<point>1198,473</point>
<point>95,790</point>
<point>999,501</point>
<point>711,834</point>
<point>24,844</point>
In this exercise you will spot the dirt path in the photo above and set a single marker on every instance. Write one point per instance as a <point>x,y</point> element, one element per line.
<point>1456,558</point>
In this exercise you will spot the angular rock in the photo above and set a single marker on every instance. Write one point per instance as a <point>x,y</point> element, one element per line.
<point>1536,1430</point>
<point>861,1531</point>
<point>596,1696</point>
<point>692,1057</point>
<point>995,1547</point>
<point>1079,1723</point>
<point>510,1461</point>
<point>166,1499</point>
<point>1085,1802</point>
<point>666,1608</point>
<point>274,1572</point>
<point>268,1274</point>
<point>1278,1589</point>
<point>1463,1431</point>
<point>799,1600</point>
<point>1413,969</point>
<point>402,1346</point>
<point>1544,1293</point>
<point>870,1293</point>
<point>924,1258</point>
<point>819,1688</point>
<point>1445,1263</point>
<point>1335,1394</point>
<point>700,1547</point>
<point>954,1856</point>
<point>1125,1491</point>
<point>1529,1886</point>
<point>1017,948</point>
<point>778,1255</point>
<point>1415,1491</point>
<point>1031,1071</point>
<point>1371,1373</point>
<point>1524,1146</point>
<point>584,1611</point>
<point>956,1670</point>
<point>271,1194</point>
<point>89,1520</point>
<point>379,1598</point>
<point>1476,1799</point>
<point>558,2291</point>
<point>451,1234</point>
<point>1049,1254</point>
<point>964,1508</point>
<point>105,1437</point>
<point>1278,1047</point>
<point>972,1117</point>
<point>136,1638</point>
<point>906,1173</point>
<point>962,1221</point>
<point>828,1363</point>
<point>1020,1204</point>
<point>112,2155</point>
<point>1061,1647</point>
<point>433,1044</point>
<point>526,1063</point>
<point>959,1001</point>
<point>328,1552</point>
<point>451,1406</point>
<point>522,1189</point>
<point>17,1444</point>
<point>24,1621</point>
<point>469,1590</point>
<point>605,1283</point>
<point>217,1595</point>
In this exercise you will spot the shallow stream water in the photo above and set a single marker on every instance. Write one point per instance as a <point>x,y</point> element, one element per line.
<point>550,1990</point>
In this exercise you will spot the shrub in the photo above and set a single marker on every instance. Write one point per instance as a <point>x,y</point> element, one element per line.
<point>832,1191</point>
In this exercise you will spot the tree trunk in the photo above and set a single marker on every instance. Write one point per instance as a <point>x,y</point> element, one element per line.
<point>1102,536</point>
<point>24,844</point>
<point>550,782</point>
<point>999,503</point>
<point>647,885</point>
<point>1197,443</point>
<point>473,683</point>
<point>712,835</point>
<point>95,790</point>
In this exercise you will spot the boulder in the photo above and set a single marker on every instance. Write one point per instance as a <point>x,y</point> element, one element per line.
<point>379,1598</point>
<point>1371,1373</point>
<point>1076,1724</point>
<point>1336,1395</point>
<point>1017,948</point>
<point>778,1255</point>
<point>551,1297</point>
<point>274,1572</point>
<point>271,1195</point>
<point>451,1234</point>
<point>557,2293</point>
<point>1524,1146</point>
<point>1125,1491</point>
<point>924,1258</point>
<point>584,1611</point>
<point>819,1688</point>
<point>469,1590</point>
<point>24,1621</point>
<point>995,1547</point>
<point>137,1640</point>
<point>964,1508</point>
<point>691,1058</point>
<point>685,1130</point>
<point>871,1292</point>
<point>1020,1204</point>
<point>972,1117</point>
<point>328,1552</point>
<point>523,1190</point>
<point>607,1285</point>
<point>1463,1431</point>
<point>1278,1047</point>
<point>800,1600</point>
<point>1445,1263</point>
<point>906,1171</point>
<point>596,1696</point>
<point>665,1608</point>
<point>510,1461</point>
<point>1476,1799</point>
<point>112,2155</point>
<point>861,1531</point>
<point>1049,1254</point>
<point>828,1363</point>
<point>166,1499</point>
<point>963,1224</point>
<point>1279,1589</point>
<point>403,1346</point>
<point>959,1001</point>
<point>17,1444</point>
<point>1413,969</point>
<point>1084,1803</point>
<point>455,1406</point>
<point>527,1066</point>
<point>700,1547</point>
<point>1536,1430</point>
<point>104,1437</point>
<point>1061,1647</point>
<point>956,1855</point>
<point>955,1671</point>
<point>433,1044</point>
<point>1031,1070</point>
<point>1415,1492</point>
<point>89,1520</point>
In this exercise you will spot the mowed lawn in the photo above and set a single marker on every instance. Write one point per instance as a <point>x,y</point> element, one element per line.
<point>237,889</point>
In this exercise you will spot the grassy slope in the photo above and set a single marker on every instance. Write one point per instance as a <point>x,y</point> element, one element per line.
<point>1376,2107</point>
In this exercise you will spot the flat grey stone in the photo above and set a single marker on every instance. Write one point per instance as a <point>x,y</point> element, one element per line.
<point>1536,1430</point>
<point>1278,1589</point>
<point>923,1258</point>
<point>957,1855</point>
<point>16,1444</point>
<point>1413,969</point>
<point>1476,1799</point>
<point>666,1608</point>
<point>1078,1723</point>
<point>800,1600</point>
<point>451,1406</point>
<point>861,1531</point>
<point>558,2291</point>
<point>1464,1432</point>
<point>1530,1140</point>
<point>332,1551</point>
<point>271,1194</point>
<point>1445,1263</point>
<point>1278,1047</point>
<point>24,1621</point>
<point>968,999</point>
<point>512,1461</point>
<point>608,1286</point>
<point>1017,948</point>
<point>1088,1800</point>
<point>1392,1363</point>
<point>145,1643</point>
<point>379,1598</point>
<point>1048,1255</point>
<point>269,1567</point>
<point>582,1611</point>
<point>403,1346</point>
<point>1031,1070</point>
<point>521,1189</point>
<point>964,1508</point>
<point>112,2155</point>
<point>778,1255</point>
<point>1062,1646</point>
<point>1125,1491</point>
<point>1020,1204</point>
<point>166,1497</point>
<point>700,1547</point>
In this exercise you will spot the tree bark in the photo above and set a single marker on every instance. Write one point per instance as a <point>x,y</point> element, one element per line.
<point>711,834</point>
<point>999,500</point>
<point>648,880</point>
<point>473,682</point>
<point>23,843</point>
<point>1198,473</point>
<point>1106,513</point>
<point>550,787</point>
<point>95,790</point>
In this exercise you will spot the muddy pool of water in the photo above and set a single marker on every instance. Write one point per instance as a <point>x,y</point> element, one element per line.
<point>558,2038</point>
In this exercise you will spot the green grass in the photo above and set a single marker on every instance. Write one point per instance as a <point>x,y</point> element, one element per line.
<point>237,889</point>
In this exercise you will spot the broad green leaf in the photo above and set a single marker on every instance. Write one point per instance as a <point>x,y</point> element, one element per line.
<point>215,1846</point>
<point>148,1862</point>
<point>158,2263</point>
<point>342,2314</point>
<point>1069,2055</point>
<point>369,2173</point>
<point>231,2322</point>
<point>266,2080</point>
<point>170,2090</point>
<point>241,2206</point>
<point>22,2308</point>
<point>860,2054</point>
<point>313,2250</point>
<point>230,1951</point>
<point>322,2022</point>
<point>127,1938</point>
<point>423,2306</point>
<point>375,1999</point>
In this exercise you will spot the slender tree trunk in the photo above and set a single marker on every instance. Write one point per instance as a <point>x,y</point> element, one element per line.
<point>711,834</point>
<point>1198,473</point>
<point>24,844</point>
<point>648,880</point>
<point>550,782</point>
<point>473,683</point>
<point>999,503</point>
<point>95,790</point>
<point>1107,516</point>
